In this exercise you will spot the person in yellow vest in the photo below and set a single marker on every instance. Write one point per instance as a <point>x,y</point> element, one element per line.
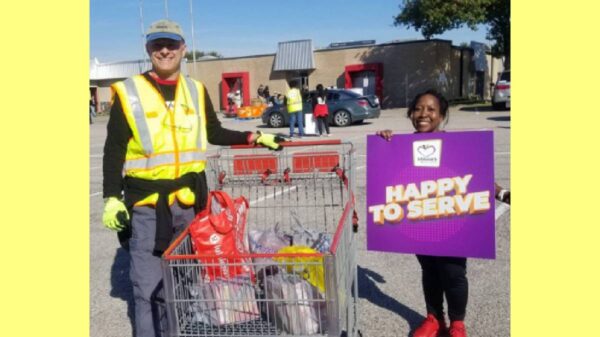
<point>294,108</point>
<point>154,160</point>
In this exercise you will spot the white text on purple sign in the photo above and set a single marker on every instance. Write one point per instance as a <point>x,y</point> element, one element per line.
<point>431,199</point>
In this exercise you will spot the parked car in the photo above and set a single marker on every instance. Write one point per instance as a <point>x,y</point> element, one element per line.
<point>345,107</point>
<point>501,97</point>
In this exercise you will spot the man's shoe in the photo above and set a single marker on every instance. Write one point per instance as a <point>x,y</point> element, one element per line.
<point>457,329</point>
<point>430,327</point>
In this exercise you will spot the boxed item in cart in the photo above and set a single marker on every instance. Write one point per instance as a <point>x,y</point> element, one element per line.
<point>224,302</point>
<point>296,306</point>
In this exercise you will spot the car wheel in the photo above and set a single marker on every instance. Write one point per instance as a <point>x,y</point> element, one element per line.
<point>342,118</point>
<point>276,120</point>
<point>499,106</point>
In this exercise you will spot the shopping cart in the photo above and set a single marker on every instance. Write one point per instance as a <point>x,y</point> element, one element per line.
<point>311,182</point>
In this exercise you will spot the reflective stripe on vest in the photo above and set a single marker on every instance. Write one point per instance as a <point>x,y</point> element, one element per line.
<point>138,113</point>
<point>194,92</point>
<point>294,101</point>
<point>163,159</point>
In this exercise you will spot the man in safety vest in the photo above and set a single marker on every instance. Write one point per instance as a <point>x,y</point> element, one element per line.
<point>154,160</point>
<point>294,109</point>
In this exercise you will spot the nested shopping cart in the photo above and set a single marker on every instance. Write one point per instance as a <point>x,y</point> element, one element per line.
<point>308,182</point>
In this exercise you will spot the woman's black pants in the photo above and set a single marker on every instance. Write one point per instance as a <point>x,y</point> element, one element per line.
<point>445,276</point>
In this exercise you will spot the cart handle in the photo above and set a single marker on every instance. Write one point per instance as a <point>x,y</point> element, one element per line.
<point>292,144</point>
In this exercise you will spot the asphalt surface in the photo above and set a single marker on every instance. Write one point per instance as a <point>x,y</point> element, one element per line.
<point>390,293</point>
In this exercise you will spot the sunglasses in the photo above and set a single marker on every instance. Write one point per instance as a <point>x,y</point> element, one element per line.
<point>160,44</point>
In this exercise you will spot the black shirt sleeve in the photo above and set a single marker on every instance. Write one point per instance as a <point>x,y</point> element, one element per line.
<point>115,148</point>
<point>216,134</point>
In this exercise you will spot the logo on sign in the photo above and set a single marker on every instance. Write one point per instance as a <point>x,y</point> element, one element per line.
<point>427,153</point>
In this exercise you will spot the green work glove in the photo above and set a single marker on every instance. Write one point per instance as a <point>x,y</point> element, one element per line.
<point>115,215</point>
<point>270,141</point>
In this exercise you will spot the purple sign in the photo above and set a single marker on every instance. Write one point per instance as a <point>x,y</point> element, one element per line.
<point>432,194</point>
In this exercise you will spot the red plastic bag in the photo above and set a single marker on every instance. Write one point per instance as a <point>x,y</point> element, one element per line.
<point>218,231</point>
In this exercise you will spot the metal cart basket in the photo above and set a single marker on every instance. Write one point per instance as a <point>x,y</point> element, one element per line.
<point>307,182</point>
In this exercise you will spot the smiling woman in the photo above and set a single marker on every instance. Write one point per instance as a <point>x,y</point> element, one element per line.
<point>442,276</point>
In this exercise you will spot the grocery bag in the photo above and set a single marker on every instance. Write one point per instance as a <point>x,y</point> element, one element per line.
<point>309,267</point>
<point>223,302</point>
<point>218,233</point>
<point>294,304</point>
<point>268,241</point>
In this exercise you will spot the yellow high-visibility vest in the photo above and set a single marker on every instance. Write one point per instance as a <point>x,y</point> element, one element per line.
<point>294,100</point>
<point>167,142</point>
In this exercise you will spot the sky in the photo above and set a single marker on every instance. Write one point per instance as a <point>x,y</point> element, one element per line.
<point>241,28</point>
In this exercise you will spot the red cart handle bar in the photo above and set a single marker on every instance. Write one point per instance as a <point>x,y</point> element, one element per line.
<point>292,144</point>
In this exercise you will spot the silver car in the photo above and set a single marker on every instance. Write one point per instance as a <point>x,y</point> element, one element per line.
<point>501,98</point>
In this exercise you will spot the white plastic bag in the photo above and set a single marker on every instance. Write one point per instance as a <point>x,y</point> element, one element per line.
<point>224,302</point>
<point>296,306</point>
<point>269,241</point>
<point>302,236</point>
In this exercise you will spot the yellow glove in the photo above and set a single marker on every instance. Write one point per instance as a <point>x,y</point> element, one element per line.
<point>115,215</point>
<point>270,141</point>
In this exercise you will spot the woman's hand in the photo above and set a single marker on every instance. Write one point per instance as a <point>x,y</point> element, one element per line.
<point>385,134</point>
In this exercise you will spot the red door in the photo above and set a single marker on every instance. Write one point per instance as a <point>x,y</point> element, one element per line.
<point>230,83</point>
<point>365,71</point>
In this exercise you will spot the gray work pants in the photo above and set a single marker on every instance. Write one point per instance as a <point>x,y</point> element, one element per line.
<point>146,273</point>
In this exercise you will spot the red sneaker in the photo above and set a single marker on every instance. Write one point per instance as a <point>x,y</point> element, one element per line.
<point>457,329</point>
<point>431,327</point>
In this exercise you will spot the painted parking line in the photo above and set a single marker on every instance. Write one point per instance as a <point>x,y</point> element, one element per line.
<point>252,202</point>
<point>273,195</point>
<point>501,209</point>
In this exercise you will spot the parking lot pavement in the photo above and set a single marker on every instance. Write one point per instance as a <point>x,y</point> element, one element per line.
<point>390,294</point>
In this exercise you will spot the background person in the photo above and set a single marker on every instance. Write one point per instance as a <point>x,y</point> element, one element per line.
<point>259,91</point>
<point>237,99</point>
<point>266,93</point>
<point>293,99</point>
<point>321,111</point>
<point>92,109</point>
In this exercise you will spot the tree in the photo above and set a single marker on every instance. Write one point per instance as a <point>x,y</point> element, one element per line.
<point>199,54</point>
<point>433,17</point>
